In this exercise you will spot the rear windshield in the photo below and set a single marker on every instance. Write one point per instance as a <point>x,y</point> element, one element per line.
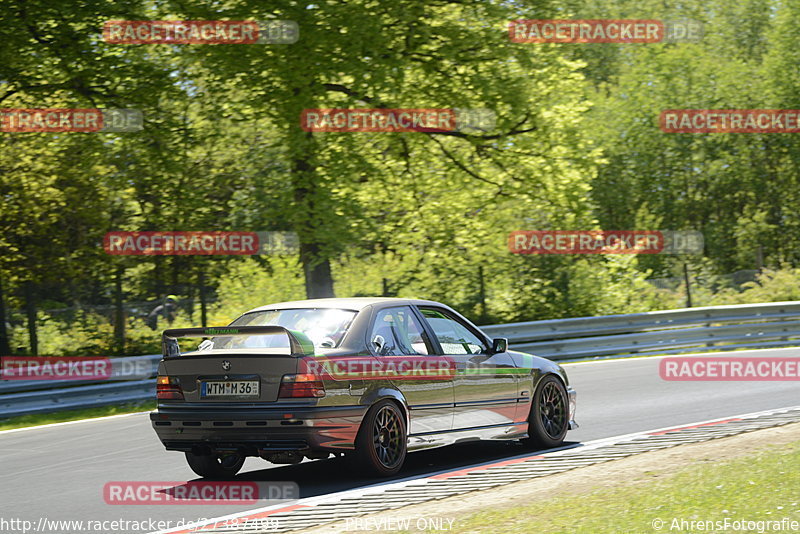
<point>324,326</point>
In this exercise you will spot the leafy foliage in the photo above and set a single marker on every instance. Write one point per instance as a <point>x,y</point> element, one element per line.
<point>576,147</point>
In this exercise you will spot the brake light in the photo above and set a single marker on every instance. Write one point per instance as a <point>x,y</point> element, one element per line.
<point>301,386</point>
<point>168,388</point>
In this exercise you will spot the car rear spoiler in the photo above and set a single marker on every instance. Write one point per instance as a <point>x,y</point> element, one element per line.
<point>299,343</point>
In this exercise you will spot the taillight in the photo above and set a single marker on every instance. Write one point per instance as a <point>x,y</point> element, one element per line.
<point>168,388</point>
<point>301,386</point>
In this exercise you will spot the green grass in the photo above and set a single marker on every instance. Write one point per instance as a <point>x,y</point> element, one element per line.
<point>762,487</point>
<point>72,415</point>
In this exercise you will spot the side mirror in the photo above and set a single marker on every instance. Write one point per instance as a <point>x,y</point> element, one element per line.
<point>499,344</point>
<point>379,343</point>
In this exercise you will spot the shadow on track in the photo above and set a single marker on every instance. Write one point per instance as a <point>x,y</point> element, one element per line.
<point>320,477</point>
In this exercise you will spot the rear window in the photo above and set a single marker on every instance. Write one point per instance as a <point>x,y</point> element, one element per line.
<point>325,327</point>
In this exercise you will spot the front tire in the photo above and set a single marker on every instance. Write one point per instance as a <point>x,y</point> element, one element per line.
<point>381,441</point>
<point>548,421</point>
<point>215,467</point>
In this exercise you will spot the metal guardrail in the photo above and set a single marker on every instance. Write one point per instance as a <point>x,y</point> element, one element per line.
<point>129,367</point>
<point>642,322</point>
<point>94,396</point>
<point>27,397</point>
<point>741,326</point>
<point>774,324</point>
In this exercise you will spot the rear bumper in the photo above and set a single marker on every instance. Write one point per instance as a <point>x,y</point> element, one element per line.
<point>260,430</point>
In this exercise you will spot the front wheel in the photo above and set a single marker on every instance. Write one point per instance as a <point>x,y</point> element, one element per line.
<point>381,441</point>
<point>548,421</point>
<point>215,467</point>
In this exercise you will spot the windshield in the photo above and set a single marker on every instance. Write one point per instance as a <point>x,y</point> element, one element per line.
<point>325,327</point>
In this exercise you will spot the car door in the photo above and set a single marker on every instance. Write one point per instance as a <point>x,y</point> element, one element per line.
<point>486,385</point>
<point>407,355</point>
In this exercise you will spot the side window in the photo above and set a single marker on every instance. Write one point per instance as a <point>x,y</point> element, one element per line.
<point>454,337</point>
<point>396,332</point>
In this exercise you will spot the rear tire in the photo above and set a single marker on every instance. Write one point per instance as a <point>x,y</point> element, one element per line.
<point>548,421</point>
<point>215,467</point>
<point>381,442</point>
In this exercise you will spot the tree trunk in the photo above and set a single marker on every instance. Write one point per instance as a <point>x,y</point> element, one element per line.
<point>5,345</point>
<point>158,274</point>
<point>482,294</point>
<point>309,200</point>
<point>319,281</point>
<point>30,310</point>
<point>687,281</point>
<point>119,313</point>
<point>175,275</point>
<point>203,315</point>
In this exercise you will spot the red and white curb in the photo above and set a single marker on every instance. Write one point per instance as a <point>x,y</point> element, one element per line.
<point>316,511</point>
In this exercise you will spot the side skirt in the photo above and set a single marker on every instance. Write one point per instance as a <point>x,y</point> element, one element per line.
<point>493,432</point>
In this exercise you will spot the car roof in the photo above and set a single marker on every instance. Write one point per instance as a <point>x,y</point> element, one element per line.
<point>350,303</point>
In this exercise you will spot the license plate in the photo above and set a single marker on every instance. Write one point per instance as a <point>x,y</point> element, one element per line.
<point>230,388</point>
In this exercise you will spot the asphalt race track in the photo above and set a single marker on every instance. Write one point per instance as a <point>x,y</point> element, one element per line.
<point>59,472</point>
